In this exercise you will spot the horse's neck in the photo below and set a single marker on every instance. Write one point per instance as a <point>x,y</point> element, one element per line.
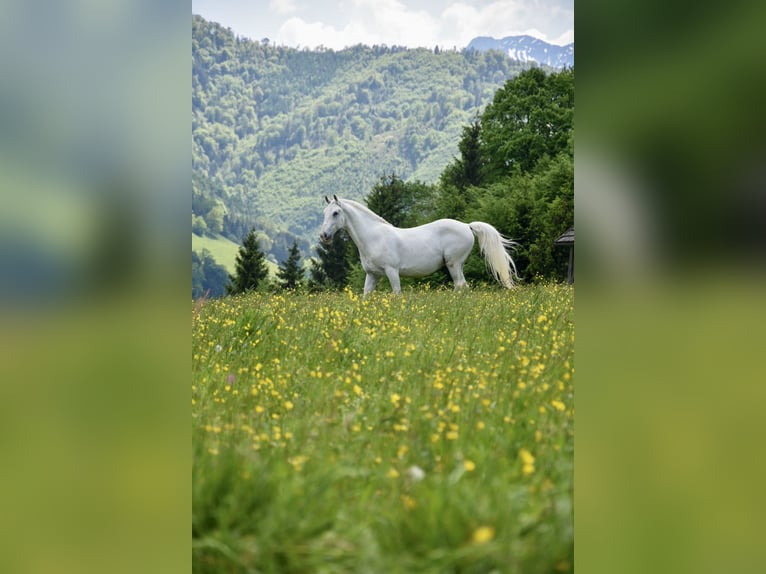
<point>362,223</point>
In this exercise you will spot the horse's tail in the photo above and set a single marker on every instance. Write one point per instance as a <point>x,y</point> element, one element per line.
<point>493,247</point>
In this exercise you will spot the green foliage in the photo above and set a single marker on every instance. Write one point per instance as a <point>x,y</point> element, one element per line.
<point>516,172</point>
<point>331,270</point>
<point>208,211</point>
<point>533,209</point>
<point>275,128</point>
<point>402,204</point>
<point>465,171</point>
<point>290,272</point>
<point>430,432</point>
<point>250,267</point>
<point>214,219</point>
<point>530,117</point>
<point>199,226</point>
<point>208,277</point>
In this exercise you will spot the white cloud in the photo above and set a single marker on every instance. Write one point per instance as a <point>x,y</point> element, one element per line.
<point>297,32</point>
<point>509,18</point>
<point>566,38</point>
<point>337,24</point>
<point>283,7</point>
<point>366,22</point>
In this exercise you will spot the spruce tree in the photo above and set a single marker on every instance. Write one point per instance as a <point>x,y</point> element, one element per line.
<point>250,266</point>
<point>332,269</point>
<point>290,272</point>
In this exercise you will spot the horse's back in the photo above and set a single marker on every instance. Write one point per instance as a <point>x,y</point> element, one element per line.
<point>441,228</point>
<point>443,238</point>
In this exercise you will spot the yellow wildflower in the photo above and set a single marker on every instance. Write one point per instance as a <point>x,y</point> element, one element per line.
<point>528,462</point>
<point>469,465</point>
<point>483,534</point>
<point>297,462</point>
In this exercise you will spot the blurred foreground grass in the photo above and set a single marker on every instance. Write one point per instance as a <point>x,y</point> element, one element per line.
<point>669,428</point>
<point>94,450</point>
<point>94,286</point>
<point>670,191</point>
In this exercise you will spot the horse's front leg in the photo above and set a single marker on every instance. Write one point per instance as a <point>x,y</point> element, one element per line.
<point>393,278</point>
<point>369,283</point>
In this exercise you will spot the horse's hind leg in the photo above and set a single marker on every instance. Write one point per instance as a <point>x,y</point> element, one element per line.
<point>456,272</point>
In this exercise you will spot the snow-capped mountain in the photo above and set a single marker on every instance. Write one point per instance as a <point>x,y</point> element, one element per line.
<point>527,48</point>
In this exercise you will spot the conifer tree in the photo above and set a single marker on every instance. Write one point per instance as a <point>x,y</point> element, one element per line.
<point>290,272</point>
<point>332,269</point>
<point>250,266</point>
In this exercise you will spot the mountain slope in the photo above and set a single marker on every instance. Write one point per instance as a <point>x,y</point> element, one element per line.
<point>274,128</point>
<point>527,49</point>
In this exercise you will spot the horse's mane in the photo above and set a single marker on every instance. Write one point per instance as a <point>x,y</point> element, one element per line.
<point>363,208</point>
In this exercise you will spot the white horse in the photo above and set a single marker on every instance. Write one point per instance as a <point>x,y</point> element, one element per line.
<point>417,251</point>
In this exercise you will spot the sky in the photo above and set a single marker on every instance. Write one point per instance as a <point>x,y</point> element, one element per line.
<point>337,24</point>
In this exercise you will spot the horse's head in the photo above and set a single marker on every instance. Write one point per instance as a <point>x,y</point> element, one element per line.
<point>334,219</point>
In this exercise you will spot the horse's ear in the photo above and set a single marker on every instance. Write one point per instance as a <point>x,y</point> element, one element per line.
<point>327,199</point>
<point>335,197</point>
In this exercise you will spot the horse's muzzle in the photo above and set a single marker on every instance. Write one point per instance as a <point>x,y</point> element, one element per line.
<point>324,238</point>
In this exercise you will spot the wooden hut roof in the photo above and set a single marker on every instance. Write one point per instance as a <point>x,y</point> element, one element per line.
<point>566,238</point>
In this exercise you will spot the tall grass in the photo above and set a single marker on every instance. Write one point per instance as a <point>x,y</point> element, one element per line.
<point>430,432</point>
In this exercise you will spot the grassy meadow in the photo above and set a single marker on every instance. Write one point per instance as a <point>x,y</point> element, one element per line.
<point>428,432</point>
<point>223,250</point>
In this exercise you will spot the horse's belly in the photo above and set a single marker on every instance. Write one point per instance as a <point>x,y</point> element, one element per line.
<point>419,264</point>
<point>419,271</point>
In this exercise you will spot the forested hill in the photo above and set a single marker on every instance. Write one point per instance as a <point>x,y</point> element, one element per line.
<point>274,129</point>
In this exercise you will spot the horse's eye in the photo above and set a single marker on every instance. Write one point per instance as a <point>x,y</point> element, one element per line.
<point>335,213</point>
